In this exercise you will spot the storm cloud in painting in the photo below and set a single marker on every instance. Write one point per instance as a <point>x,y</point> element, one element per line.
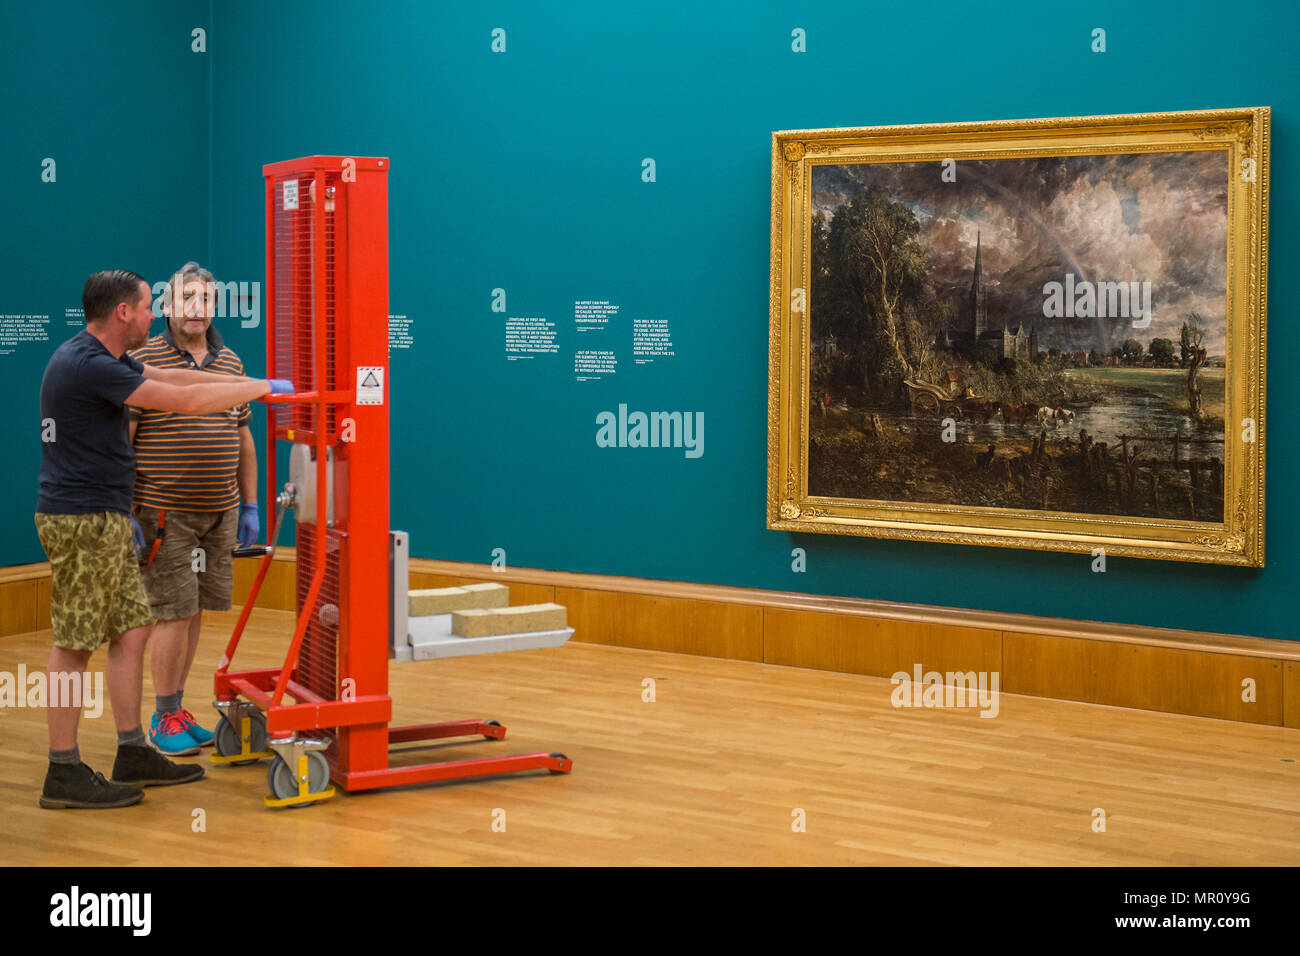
<point>1144,217</point>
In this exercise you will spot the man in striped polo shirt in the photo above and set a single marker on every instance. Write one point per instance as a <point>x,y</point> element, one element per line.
<point>191,473</point>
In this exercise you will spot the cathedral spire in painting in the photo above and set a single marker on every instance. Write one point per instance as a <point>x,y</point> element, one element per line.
<point>978,311</point>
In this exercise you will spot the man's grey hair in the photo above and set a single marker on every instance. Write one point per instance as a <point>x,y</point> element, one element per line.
<point>191,270</point>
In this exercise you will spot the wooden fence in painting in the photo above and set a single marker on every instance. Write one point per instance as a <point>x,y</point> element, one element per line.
<point>1161,477</point>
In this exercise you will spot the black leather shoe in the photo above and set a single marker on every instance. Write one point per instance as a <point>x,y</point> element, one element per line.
<point>146,767</point>
<point>77,787</point>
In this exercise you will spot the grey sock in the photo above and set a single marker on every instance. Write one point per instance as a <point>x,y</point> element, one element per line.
<point>167,703</point>
<point>132,738</point>
<point>72,756</point>
<point>180,698</point>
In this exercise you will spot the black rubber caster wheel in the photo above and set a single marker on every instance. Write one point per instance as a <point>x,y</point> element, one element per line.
<point>494,723</point>
<point>561,757</point>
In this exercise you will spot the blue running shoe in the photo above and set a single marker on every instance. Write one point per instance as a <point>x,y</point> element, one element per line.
<point>200,736</point>
<point>168,733</point>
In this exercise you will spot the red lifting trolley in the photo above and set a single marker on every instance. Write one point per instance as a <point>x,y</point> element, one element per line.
<point>327,331</point>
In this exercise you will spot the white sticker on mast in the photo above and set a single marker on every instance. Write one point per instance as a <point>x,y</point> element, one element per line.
<point>370,385</point>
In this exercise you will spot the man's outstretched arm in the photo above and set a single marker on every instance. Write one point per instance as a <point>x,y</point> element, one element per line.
<point>199,399</point>
<point>188,376</point>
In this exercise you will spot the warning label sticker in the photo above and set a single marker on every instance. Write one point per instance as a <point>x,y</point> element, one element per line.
<point>370,385</point>
<point>290,194</point>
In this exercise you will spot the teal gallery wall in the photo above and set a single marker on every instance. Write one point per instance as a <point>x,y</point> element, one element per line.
<point>522,170</point>
<point>104,117</point>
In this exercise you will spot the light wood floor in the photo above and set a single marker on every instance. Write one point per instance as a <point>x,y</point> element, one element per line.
<point>708,774</point>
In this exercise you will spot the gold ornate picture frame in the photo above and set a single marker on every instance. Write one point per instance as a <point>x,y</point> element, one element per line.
<point>1044,334</point>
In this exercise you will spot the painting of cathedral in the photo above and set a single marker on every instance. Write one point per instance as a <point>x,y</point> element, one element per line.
<point>976,340</point>
<point>933,309</point>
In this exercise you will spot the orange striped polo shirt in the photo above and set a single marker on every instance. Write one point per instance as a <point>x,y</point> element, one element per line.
<point>188,462</point>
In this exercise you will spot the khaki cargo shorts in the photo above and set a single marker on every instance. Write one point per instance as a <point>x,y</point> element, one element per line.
<point>182,580</point>
<point>95,593</point>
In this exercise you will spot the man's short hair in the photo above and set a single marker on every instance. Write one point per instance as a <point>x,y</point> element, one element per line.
<point>191,270</point>
<point>104,290</point>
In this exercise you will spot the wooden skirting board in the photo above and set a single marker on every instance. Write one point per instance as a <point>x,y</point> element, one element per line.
<point>24,598</point>
<point>1149,668</point>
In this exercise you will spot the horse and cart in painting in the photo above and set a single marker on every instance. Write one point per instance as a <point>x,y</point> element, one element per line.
<point>927,397</point>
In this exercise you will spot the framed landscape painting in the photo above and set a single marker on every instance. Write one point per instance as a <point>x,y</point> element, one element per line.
<point>1039,334</point>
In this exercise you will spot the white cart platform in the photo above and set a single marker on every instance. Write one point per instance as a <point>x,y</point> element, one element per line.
<point>430,637</point>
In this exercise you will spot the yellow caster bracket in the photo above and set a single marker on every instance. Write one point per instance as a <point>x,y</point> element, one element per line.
<point>307,783</point>
<point>244,745</point>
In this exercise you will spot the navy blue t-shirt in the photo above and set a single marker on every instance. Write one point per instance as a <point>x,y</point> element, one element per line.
<point>89,467</point>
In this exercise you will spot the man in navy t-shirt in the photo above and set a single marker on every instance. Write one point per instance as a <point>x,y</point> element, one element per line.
<point>83,519</point>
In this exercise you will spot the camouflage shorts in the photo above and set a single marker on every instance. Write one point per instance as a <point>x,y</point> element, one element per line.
<point>193,569</point>
<point>96,592</point>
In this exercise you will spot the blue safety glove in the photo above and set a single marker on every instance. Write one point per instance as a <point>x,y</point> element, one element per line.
<point>137,533</point>
<point>281,386</point>
<point>249,527</point>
